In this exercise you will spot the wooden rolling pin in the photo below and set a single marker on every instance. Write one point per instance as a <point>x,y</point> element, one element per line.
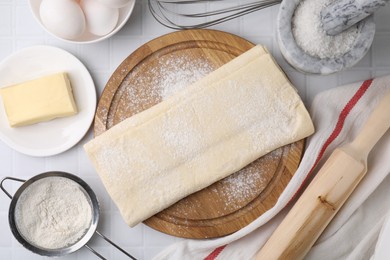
<point>328,191</point>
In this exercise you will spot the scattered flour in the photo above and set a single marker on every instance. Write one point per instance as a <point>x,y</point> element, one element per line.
<point>312,38</point>
<point>176,74</point>
<point>170,75</point>
<point>53,213</point>
<point>248,183</point>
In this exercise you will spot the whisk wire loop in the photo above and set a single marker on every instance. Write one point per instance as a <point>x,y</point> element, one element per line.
<point>165,12</point>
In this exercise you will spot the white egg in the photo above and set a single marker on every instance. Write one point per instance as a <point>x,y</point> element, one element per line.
<point>64,18</point>
<point>100,18</point>
<point>115,3</point>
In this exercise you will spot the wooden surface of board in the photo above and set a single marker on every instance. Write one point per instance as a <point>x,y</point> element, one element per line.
<point>156,70</point>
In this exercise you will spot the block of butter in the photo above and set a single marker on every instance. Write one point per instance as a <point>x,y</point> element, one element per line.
<point>38,100</point>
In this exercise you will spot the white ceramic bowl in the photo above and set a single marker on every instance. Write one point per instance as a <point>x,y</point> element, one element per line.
<point>124,15</point>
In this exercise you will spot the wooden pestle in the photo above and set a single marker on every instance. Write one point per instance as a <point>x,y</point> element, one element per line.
<point>328,191</point>
<point>343,14</point>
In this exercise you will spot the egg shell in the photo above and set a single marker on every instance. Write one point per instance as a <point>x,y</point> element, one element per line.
<point>115,3</point>
<point>63,18</point>
<point>101,19</point>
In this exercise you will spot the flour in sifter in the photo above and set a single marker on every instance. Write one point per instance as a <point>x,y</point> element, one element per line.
<point>53,212</point>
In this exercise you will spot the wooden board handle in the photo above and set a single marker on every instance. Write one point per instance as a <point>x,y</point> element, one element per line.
<point>328,191</point>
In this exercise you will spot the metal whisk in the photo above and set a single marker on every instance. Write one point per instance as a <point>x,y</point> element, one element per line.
<point>171,14</point>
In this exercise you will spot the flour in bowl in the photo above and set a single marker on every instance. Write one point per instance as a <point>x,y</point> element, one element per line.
<point>53,212</point>
<point>311,36</point>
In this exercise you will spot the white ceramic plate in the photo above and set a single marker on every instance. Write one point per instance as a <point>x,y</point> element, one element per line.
<point>124,15</point>
<point>58,135</point>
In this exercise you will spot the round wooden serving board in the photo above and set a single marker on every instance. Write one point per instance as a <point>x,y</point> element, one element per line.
<point>143,79</point>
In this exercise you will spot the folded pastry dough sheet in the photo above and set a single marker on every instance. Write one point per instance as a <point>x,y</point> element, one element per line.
<point>209,130</point>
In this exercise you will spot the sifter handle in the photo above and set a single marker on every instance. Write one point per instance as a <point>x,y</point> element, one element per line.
<point>110,242</point>
<point>8,178</point>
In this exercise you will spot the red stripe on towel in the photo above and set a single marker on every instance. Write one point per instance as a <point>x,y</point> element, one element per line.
<point>335,133</point>
<point>213,255</point>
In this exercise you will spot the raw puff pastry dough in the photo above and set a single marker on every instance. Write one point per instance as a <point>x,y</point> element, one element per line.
<point>202,134</point>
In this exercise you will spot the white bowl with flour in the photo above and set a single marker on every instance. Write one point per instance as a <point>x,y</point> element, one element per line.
<point>306,46</point>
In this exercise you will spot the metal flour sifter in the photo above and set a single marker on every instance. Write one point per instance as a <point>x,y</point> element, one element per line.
<point>82,241</point>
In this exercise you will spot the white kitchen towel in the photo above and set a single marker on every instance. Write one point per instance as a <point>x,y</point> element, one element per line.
<point>338,114</point>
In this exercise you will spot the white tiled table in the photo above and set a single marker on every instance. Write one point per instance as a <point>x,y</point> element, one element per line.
<point>18,29</point>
